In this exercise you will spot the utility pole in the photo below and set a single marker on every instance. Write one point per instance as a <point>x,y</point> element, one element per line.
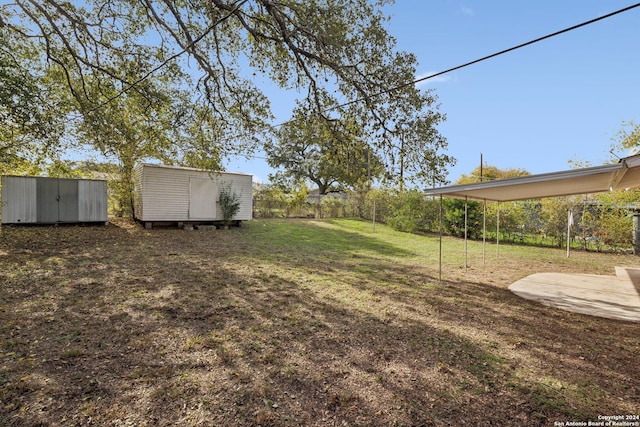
<point>401,161</point>
<point>369,168</point>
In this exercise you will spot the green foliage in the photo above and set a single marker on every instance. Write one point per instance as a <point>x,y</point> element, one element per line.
<point>270,201</point>
<point>589,230</point>
<point>297,200</point>
<point>133,126</point>
<point>404,223</point>
<point>274,200</point>
<point>18,165</point>
<point>605,226</point>
<point>416,154</point>
<point>617,228</point>
<point>454,218</point>
<point>489,173</point>
<point>408,211</point>
<point>332,207</point>
<point>412,212</point>
<point>609,221</point>
<point>337,149</point>
<point>628,137</point>
<point>378,204</point>
<point>554,216</point>
<point>64,169</point>
<point>603,223</point>
<point>326,152</point>
<point>121,192</point>
<point>621,198</point>
<point>516,219</point>
<point>229,203</point>
<point>32,106</point>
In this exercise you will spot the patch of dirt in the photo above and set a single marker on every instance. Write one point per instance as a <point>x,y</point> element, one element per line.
<point>267,325</point>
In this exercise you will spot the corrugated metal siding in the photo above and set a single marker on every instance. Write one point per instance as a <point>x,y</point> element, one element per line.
<point>163,192</point>
<point>18,200</point>
<point>44,200</point>
<point>92,201</point>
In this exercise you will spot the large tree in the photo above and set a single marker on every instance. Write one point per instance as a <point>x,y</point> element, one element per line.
<point>139,125</point>
<point>32,106</point>
<point>326,152</point>
<point>329,51</point>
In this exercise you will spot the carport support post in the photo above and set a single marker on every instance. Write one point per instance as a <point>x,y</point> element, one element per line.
<point>497,230</point>
<point>569,225</point>
<point>440,248</point>
<point>636,234</point>
<point>484,232</point>
<point>466,217</point>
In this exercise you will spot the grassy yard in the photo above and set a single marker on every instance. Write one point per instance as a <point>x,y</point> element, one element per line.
<point>297,323</point>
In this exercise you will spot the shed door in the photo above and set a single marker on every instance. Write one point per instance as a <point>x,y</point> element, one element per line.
<point>47,200</point>
<point>203,194</point>
<point>57,200</point>
<point>68,200</point>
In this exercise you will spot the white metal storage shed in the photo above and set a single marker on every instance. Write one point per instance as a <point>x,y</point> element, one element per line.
<point>42,200</point>
<point>171,194</point>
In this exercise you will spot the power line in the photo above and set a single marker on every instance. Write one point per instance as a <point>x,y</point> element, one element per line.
<point>493,55</point>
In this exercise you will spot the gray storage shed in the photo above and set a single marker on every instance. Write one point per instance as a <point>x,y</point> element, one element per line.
<point>41,200</point>
<point>171,194</point>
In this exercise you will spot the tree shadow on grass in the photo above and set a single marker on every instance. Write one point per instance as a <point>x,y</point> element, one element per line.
<point>216,344</point>
<point>573,357</point>
<point>179,329</point>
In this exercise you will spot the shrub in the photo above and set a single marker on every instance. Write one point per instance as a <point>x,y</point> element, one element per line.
<point>229,203</point>
<point>408,211</point>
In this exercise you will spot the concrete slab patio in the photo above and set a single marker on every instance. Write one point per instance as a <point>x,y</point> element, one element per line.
<point>613,297</point>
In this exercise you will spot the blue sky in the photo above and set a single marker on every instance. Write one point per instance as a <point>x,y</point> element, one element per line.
<point>537,108</point>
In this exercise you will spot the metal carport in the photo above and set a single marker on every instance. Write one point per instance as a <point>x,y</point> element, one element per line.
<point>623,175</point>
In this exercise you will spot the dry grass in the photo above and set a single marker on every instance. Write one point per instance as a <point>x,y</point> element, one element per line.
<point>286,323</point>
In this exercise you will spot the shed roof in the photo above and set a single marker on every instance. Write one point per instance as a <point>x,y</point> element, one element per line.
<point>159,165</point>
<point>622,175</point>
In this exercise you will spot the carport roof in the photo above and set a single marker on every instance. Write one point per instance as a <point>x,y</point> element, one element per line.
<point>618,176</point>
